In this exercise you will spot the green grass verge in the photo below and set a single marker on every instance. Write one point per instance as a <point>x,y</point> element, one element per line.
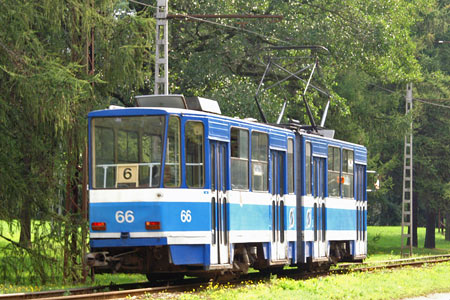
<point>383,244</point>
<point>385,284</point>
<point>100,280</point>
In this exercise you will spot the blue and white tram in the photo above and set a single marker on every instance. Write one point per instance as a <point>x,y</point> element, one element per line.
<point>177,191</point>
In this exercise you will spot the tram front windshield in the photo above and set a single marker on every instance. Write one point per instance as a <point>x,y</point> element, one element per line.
<point>127,151</point>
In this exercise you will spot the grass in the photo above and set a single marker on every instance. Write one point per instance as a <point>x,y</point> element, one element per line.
<point>100,280</point>
<point>386,284</point>
<point>383,244</point>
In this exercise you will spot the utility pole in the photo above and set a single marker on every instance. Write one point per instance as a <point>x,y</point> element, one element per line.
<point>407,195</point>
<point>162,49</point>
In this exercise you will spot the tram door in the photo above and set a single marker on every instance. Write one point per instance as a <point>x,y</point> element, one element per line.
<point>360,247</point>
<point>278,210</point>
<point>219,214</point>
<point>320,244</point>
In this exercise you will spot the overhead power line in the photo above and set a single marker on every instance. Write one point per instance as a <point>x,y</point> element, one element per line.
<point>431,103</point>
<point>424,101</point>
<point>442,99</point>
<point>141,3</point>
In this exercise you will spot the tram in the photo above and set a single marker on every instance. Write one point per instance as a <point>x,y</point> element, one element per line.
<point>178,189</point>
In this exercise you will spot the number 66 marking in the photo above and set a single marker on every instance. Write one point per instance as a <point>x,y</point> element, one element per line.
<point>128,217</point>
<point>185,216</point>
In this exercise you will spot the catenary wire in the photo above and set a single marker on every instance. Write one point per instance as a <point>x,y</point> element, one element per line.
<point>424,101</point>
<point>430,103</point>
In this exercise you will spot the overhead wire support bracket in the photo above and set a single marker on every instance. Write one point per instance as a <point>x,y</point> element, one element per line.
<point>224,16</point>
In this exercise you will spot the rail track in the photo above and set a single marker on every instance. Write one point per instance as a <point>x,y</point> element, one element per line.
<point>142,289</point>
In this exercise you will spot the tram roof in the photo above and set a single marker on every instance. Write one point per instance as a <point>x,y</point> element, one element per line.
<point>147,111</point>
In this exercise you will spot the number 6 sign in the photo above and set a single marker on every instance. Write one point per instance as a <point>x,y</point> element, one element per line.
<point>127,174</point>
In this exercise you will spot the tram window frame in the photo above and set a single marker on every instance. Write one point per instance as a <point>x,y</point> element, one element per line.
<point>308,166</point>
<point>130,137</point>
<point>173,179</point>
<point>291,167</point>
<point>261,151</point>
<point>334,171</point>
<point>348,170</point>
<point>189,144</point>
<point>237,158</point>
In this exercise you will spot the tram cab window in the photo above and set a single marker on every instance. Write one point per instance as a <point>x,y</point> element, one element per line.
<point>194,147</point>
<point>260,144</point>
<point>308,168</point>
<point>347,173</point>
<point>290,158</point>
<point>239,159</point>
<point>126,151</point>
<point>334,166</point>
<point>172,166</point>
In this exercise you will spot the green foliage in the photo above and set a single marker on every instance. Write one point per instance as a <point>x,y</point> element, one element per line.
<point>374,39</point>
<point>46,93</point>
<point>42,263</point>
<point>432,121</point>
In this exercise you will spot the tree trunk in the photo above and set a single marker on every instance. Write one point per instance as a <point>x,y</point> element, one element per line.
<point>25,224</point>
<point>447,226</point>
<point>415,209</point>
<point>430,241</point>
<point>71,249</point>
<point>25,212</point>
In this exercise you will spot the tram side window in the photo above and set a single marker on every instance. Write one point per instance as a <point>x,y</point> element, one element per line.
<point>347,173</point>
<point>308,168</point>
<point>290,157</point>
<point>260,143</point>
<point>194,154</point>
<point>239,159</point>
<point>172,166</point>
<point>334,166</point>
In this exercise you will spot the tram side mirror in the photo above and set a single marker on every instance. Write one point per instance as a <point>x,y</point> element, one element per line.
<point>373,181</point>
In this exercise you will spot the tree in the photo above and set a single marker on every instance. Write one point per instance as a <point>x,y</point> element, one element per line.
<point>432,120</point>
<point>360,37</point>
<point>45,96</point>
